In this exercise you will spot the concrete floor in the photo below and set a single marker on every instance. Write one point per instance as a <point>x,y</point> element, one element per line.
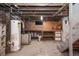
<point>42,48</point>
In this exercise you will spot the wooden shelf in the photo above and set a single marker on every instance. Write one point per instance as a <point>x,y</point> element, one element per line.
<point>48,34</point>
<point>44,34</point>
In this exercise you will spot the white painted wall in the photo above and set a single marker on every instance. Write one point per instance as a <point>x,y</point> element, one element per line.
<point>75,21</point>
<point>75,14</point>
<point>65,28</point>
<point>73,31</point>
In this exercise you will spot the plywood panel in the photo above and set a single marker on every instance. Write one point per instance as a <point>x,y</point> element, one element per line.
<point>47,26</point>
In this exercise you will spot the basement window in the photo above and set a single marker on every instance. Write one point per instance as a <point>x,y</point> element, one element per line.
<point>38,22</point>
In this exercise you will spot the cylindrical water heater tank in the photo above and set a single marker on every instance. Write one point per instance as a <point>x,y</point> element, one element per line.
<point>15,35</point>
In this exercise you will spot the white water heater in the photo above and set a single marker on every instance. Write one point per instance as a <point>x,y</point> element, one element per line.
<point>15,35</point>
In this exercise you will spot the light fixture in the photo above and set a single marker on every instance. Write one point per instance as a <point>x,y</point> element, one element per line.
<point>16,5</point>
<point>41,4</point>
<point>41,18</point>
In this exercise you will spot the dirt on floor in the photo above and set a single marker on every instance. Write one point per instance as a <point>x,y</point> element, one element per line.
<point>36,48</point>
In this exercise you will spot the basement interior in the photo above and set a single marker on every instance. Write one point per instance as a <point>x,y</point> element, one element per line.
<point>39,29</point>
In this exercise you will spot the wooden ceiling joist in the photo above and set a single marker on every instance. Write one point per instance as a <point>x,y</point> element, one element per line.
<point>52,9</point>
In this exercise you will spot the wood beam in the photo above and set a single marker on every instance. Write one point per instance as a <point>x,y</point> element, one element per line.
<point>60,15</point>
<point>39,4</point>
<point>64,5</point>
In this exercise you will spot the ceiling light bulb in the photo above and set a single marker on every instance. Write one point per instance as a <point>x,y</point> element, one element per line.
<point>41,17</point>
<point>16,6</point>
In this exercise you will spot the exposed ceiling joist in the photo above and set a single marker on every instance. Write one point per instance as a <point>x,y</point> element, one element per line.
<point>40,9</point>
<point>38,12</point>
<point>52,9</point>
<point>60,15</point>
<point>64,5</point>
<point>39,4</point>
<point>41,13</point>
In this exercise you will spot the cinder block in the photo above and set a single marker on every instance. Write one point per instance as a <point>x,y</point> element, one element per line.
<point>3,44</point>
<point>4,28</point>
<point>2,40</point>
<point>3,32</point>
<point>2,52</point>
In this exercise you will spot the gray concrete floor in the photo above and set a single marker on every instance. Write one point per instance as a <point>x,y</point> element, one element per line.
<point>42,48</point>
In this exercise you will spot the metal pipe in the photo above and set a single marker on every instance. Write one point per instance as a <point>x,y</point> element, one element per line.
<point>70,31</point>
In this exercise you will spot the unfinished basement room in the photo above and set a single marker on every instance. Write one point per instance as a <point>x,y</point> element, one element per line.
<point>39,29</point>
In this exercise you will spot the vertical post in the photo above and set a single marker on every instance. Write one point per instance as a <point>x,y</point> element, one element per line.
<point>70,30</point>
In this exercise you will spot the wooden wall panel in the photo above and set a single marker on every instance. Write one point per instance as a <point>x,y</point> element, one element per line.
<point>47,26</point>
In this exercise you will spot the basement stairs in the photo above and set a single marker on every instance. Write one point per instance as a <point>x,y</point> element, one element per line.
<point>76,45</point>
<point>63,46</point>
<point>74,14</point>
